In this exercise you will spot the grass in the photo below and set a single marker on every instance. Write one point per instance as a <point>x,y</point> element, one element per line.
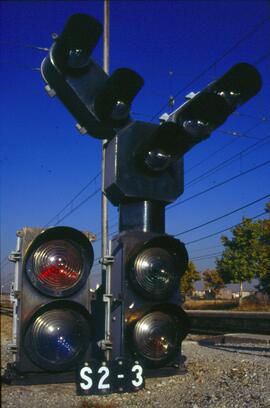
<point>210,305</point>
<point>250,304</point>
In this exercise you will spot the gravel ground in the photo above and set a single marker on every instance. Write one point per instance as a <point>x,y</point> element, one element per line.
<point>219,376</point>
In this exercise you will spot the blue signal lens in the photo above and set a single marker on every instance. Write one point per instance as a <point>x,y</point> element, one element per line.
<point>57,338</point>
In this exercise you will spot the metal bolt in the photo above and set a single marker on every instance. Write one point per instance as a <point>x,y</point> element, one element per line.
<point>114,319</point>
<point>51,92</point>
<point>120,362</point>
<point>81,129</point>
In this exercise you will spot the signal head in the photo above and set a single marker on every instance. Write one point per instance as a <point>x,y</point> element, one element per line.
<point>58,261</point>
<point>156,268</point>
<point>201,115</point>
<point>113,102</point>
<point>76,43</point>
<point>57,335</point>
<point>208,109</point>
<point>156,334</point>
<point>239,84</point>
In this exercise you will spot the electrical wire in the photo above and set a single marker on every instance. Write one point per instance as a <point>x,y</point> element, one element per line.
<point>206,256</point>
<point>214,63</point>
<point>219,184</point>
<point>79,205</point>
<point>74,198</point>
<point>227,162</point>
<point>222,216</point>
<point>15,44</point>
<point>223,230</point>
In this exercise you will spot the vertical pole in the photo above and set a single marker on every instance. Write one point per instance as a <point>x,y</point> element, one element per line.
<point>104,201</point>
<point>17,287</point>
<point>106,268</point>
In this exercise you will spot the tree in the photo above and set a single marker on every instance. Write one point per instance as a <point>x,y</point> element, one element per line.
<point>189,278</point>
<point>264,277</point>
<point>246,254</point>
<point>213,281</point>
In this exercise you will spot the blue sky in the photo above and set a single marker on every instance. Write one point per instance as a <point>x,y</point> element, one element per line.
<point>44,160</point>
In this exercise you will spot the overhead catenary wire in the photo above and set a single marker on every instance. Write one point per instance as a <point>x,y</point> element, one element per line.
<point>261,59</point>
<point>207,248</point>
<point>223,216</point>
<point>223,230</point>
<point>206,256</point>
<point>226,162</point>
<point>215,62</point>
<point>79,205</point>
<point>247,115</point>
<point>16,44</point>
<point>93,179</point>
<point>219,184</point>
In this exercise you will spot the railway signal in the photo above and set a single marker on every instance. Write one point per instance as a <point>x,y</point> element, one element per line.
<point>143,173</point>
<point>100,103</point>
<point>148,323</point>
<point>209,108</point>
<point>53,327</point>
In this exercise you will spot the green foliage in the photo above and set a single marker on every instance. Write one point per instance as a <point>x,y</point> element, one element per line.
<point>213,281</point>
<point>189,278</point>
<point>264,277</point>
<point>247,253</point>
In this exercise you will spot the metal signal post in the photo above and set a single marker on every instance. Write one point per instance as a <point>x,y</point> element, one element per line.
<point>105,249</point>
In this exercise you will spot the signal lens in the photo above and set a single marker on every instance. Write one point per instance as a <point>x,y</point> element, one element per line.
<point>157,160</point>
<point>120,111</point>
<point>56,338</point>
<point>156,337</point>
<point>197,128</point>
<point>155,273</point>
<point>237,85</point>
<point>57,266</point>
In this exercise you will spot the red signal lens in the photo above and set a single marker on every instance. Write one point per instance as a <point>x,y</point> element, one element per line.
<point>58,267</point>
<point>58,276</point>
<point>58,264</point>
